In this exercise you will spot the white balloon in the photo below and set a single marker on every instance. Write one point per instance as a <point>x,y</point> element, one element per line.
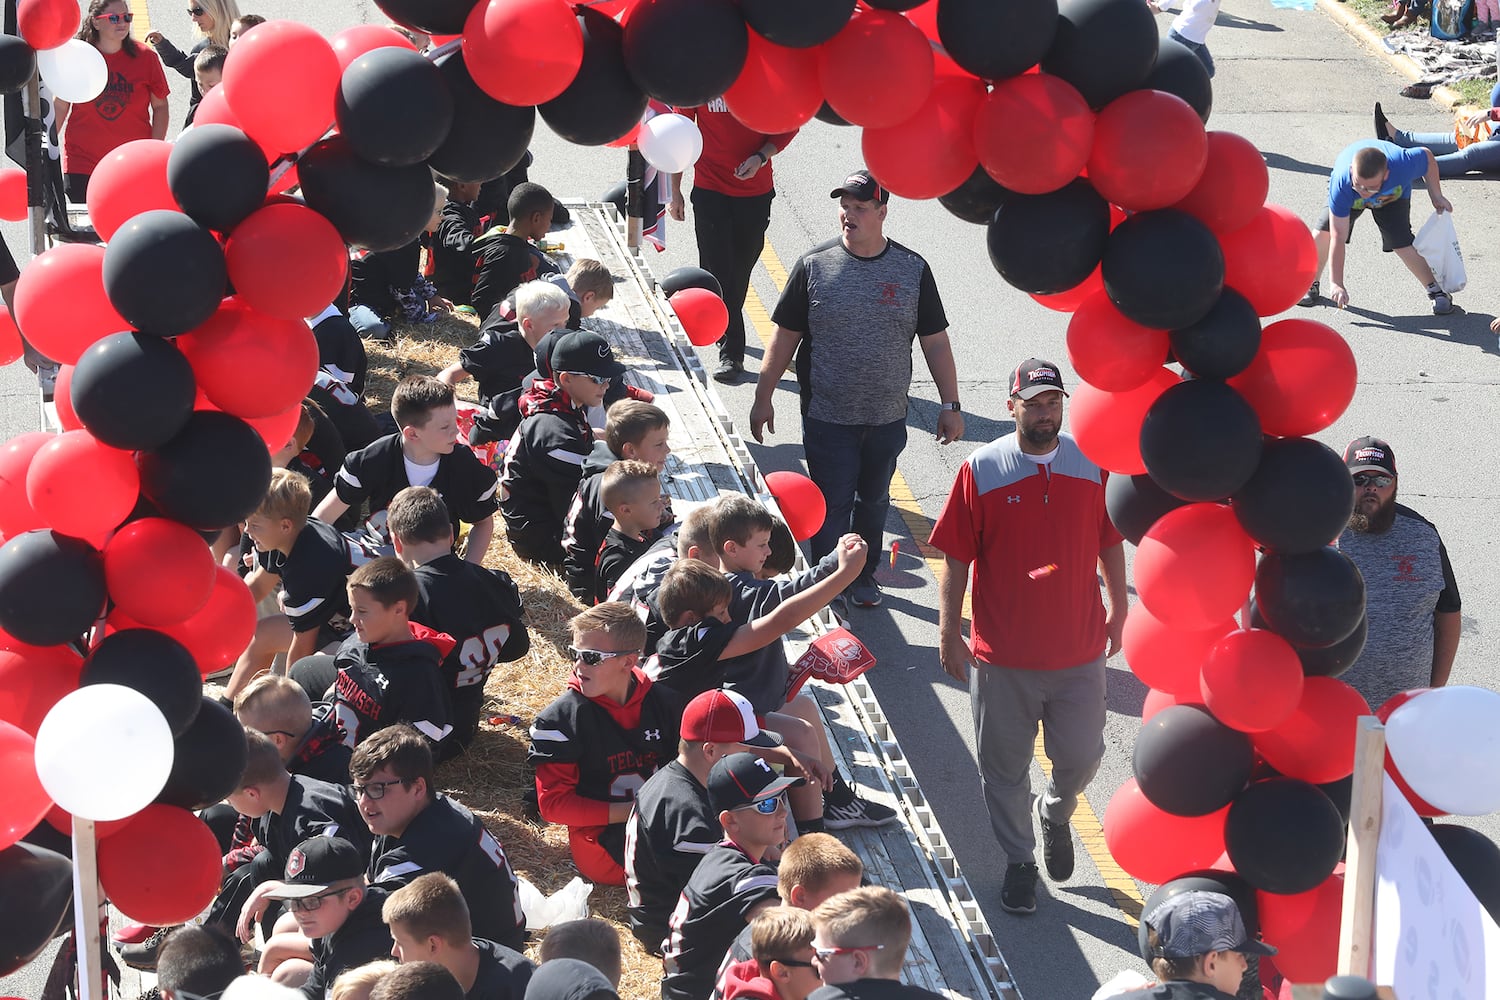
<point>671,142</point>
<point>1446,744</point>
<point>104,752</point>
<point>75,71</point>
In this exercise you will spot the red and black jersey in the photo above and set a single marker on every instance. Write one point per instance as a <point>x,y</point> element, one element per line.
<point>362,938</point>
<point>714,908</point>
<point>313,808</point>
<point>356,425</point>
<point>499,360</point>
<point>639,583</point>
<point>587,523</point>
<point>669,831</point>
<point>314,576</point>
<point>323,753</point>
<point>340,351</point>
<point>446,837</point>
<point>452,254</point>
<point>481,609</point>
<point>382,685</point>
<point>378,472</point>
<point>689,660</point>
<point>542,467</point>
<point>617,553</point>
<point>502,262</point>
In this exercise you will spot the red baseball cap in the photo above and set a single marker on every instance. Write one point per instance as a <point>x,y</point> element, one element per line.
<point>724,717</point>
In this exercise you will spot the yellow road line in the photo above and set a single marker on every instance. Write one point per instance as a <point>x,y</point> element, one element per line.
<point>141,26</point>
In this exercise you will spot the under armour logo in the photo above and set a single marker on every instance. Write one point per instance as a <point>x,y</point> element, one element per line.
<point>1013,498</point>
<point>653,734</point>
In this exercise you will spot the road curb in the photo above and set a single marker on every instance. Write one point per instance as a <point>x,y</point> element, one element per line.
<point>1407,66</point>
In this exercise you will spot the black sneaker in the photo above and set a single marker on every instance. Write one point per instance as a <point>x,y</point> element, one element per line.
<point>729,371</point>
<point>1057,846</point>
<point>844,810</point>
<point>1442,302</point>
<point>1018,893</point>
<point>143,955</point>
<point>1313,296</point>
<point>1381,122</point>
<point>864,593</point>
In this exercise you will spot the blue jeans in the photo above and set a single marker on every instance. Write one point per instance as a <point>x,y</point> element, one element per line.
<point>1452,161</point>
<point>1200,49</point>
<point>853,464</point>
<point>367,323</point>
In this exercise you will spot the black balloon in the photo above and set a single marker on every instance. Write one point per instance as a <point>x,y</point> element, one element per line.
<point>690,277</point>
<point>1284,836</point>
<point>487,137</point>
<point>218,175</point>
<point>977,199</point>
<point>1201,440</point>
<point>1188,763</point>
<point>209,760</point>
<point>393,106</point>
<point>1135,503</point>
<point>51,587</point>
<point>685,52</point>
<point>1477,859</point>
<point>1330,661</point>
<point>375,207</point>
<point>133,391</point>
<point>829,116</point>
<point>17,64</point>
<point>1300,497</point>
<point>997,40</point>
<point>603,102</point>
<point>1179,71</point>
<point>1224,342</point>
<point>1163,269</point>
<point>154,664</point>
<point>211,475</point>
<point>1224,883</point>
<point>37,886</point>
<point>1103,47</point>
<point>1310,598</point>
<point>435,17</point>
<point>1047,243</point>
<point>797,26</point>
<point>1341,794</point>
<point>164,273</point>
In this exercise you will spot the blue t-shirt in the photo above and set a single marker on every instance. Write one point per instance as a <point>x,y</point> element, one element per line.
<point>1405,166</point>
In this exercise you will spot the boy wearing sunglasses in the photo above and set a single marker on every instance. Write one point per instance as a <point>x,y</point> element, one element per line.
<point>596,745</point>
<point>781,940</point>
<point>859,944</point>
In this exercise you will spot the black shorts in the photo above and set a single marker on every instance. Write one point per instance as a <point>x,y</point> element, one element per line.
<point>1393,221</point>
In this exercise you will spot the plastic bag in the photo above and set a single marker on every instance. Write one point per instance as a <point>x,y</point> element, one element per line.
<point>1437,242</point>
<point>1124,981</point>
<point>1463,139</point>
<point>571,902</point>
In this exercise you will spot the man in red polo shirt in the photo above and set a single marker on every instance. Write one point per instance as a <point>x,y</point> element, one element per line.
<point>1027,511</point>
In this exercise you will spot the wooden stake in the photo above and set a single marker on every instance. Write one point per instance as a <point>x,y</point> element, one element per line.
<point>1357,928</point>
<point>86,910</point>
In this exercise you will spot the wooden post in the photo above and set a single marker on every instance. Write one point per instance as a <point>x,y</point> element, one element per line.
<point>86,910</point>
<point>1357,928</point>
<point>36,166</point>
<point>635,198</point>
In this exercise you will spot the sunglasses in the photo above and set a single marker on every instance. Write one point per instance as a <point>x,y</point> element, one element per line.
<point>196,12</point>
<point>824,954</point>
<point>594,657</point>
<point>308,904</point>
<point>115,18</point>
<point>596,379</point>
<point>375,790</point>
<point>765,807</point>
<point>789,962</point>
<point>1378,481</point>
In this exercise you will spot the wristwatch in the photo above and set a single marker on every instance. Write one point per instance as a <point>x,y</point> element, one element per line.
<point>764,159</point>
<point>951,406</point>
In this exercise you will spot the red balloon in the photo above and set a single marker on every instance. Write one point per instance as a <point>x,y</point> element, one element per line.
<point>32,680</point>
<point>1169,659</point>
<point>1111,352</point>
<point>703,315</point>
<point>16,513</point>
<point>1076,296</point>
<point>1033,133</point>
<point>13,194</point>
<point>129,180</point>
<point>1107,425</point>
<point>163,868</point>
<point>62,399</point>
<point>801,503</point>
<point>1156,700</point>
<point>60,303</point>
<point>626,140</point>
<point>1270,260</point>
<point>280,81</point>
<point>877,71</point>
<point>81,487</point>
<point>276,430</point>
<point>214,108</point>
<point>286,261</point>
<point>1383,713</point>
<point>25,801</point>
<point>1316,742</point>
<point>351,43</point>
<point>219,632</point>
<point>1194,566</point>
<point>932,152</point>
<point>1154,845</point>
<point>1302,379</point>
<point>158,571</point>
<point>1252,680</point>
<point>1304,929</point>
<point>1233,186</point>
<point>778,90</point>
<point>62,821</point>
<point>523,51</point>
<point>237,339</point>
<point>46,24</point>
<point>1149,150</point>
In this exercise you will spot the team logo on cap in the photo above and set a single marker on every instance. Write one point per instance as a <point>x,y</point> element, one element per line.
<point>1042,375</point>
<point>295,862</point>
<point>856,180</point>
<point>1369,455</point>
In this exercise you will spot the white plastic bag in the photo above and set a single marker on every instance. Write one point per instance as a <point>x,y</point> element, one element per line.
<point>1124,982</point>
<point>571,902</point>
<point>1438,245</point>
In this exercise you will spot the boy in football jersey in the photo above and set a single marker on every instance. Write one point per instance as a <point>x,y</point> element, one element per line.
<point>732,883</point>
<point>423,452</point>
<point>639,584</point>
<point>634,430</point>
<point>308,737</point>
<point>782,964</point>
<point>601,739</point>
<point>632,493</point>
<point>478,606</point>
<point>340,351</point>
<point>859,944</point>
<point>503,355</point>
<point>429,922</point>
<point>418,830</point>
<point>452,252</point>
<point>506,257</point>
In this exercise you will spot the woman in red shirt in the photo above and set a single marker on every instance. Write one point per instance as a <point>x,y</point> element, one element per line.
<point>133,104</point>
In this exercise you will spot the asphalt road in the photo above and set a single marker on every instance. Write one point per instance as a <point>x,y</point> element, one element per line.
<point>1300,88</point>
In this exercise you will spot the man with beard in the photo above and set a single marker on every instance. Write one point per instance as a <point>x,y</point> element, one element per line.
<point>1027,512</point>
<point>1411,598</point>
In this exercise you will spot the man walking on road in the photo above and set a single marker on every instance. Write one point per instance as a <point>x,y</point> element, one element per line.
<point>1411,598</point>
<point>854,304</point>
<point>1027,512</point>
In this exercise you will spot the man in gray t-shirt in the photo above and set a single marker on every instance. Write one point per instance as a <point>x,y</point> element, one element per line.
<point>850,310</point>
<point>1411,598</point>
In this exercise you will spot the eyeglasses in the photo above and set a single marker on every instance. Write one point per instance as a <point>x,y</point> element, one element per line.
<point>195,12</point>
<point>375,790</point>
<point>789,962</point>
<point>308,904</point>
<point>1378,481</point>
<point>765,806</point>
<point>596,379</point>
<point>594,657</point>
<point>115,18</point>
<point>824,954</point>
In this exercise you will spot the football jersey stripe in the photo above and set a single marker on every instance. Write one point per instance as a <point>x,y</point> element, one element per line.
<point>564,455</point>
<point>433,733</point>
<point>399,872</point>
<point>298,610</point>
<point>692,847</point>
<point>491,491</point>
<point>755,882</point>
<point>549,735</point>
<point>350,478</point>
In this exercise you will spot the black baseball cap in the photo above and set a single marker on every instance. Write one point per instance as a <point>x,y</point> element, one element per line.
<point>586,353</point>
<point>316,864</point>
<point>742,779</point>
<point>1368,454</point>
<point>1197,923</point>
<point>1033,377</point>
<point>862,185</point>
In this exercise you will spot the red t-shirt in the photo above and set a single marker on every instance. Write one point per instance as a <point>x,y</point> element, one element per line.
<point>118,115</point>
<point>726,144</point>
<point>1009,516</point>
